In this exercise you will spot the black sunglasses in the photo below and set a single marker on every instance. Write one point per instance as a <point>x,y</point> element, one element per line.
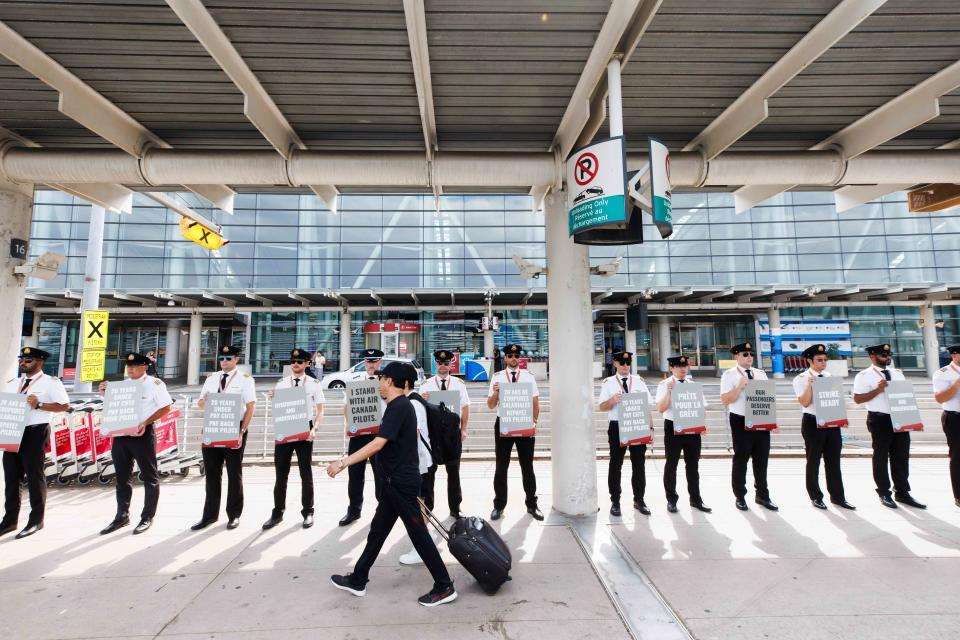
<point>298,362</point>
<point>27,360</point>
<point>224,358</point>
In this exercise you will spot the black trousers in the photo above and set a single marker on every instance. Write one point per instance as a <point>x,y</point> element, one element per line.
<point>825,444</point>
<point>951,427</point>
<point>427,481</point>
<point>503,447</point>
<point>638,453</point>
<point>396,501</point>
<point>889,448</point>
<point>282,457</point>
<point>688,445</point>
<point>749,446</point>
<point>29,460</point>
<point>356,473</point>
<point>143,450</point>
<point>214,459</point>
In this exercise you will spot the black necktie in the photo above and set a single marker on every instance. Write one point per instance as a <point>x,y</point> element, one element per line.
<point>749,374</point>
<point>223,382</point>
<point>513,374</point>
<point>296,382</point>
<point>623,381</point>
<point>26,383</point>
<point>677,381</point>
<point>886,374</point>
<point>443,385</point>
<point>819,375</point>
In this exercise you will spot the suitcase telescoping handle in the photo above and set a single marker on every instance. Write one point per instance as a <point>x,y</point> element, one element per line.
<point>433,520</point>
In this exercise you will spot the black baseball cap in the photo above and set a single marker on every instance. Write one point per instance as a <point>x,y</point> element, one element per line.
<point>399,372</point>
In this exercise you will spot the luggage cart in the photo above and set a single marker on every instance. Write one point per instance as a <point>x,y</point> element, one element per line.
<point>59,449</point>
<point>78,425</point>
<point>170,455</point>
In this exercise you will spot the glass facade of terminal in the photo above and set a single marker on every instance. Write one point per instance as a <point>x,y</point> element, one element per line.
<point>384,241</point>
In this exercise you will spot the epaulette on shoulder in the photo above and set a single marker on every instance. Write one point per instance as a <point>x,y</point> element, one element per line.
<point>943,369</point>
<point>157,382</point>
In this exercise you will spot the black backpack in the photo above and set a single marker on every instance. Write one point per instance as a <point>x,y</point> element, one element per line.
<point>443,426</point>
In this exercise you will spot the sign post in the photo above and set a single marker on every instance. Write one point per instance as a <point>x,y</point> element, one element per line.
<point>597,186</point>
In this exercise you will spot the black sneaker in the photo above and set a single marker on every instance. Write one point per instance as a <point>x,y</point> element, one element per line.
<point>438,596</point>
<point>346,583</point>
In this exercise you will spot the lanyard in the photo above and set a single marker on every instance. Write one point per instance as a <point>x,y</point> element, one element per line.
<point>227,385</point>
<point>743,375</point>
<point>620,384</point>
<point>880,373</point>
<point>508,373</point>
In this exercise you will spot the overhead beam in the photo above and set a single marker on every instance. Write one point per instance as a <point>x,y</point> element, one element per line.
<point>710,297</point>
<point>895,117</point>
<point>77,99</point>
<point>186,302</point>
<point>748,297</point>
<point>602,296</point>
<point>123,295</point>
<point>299,298</point>
<point>750,108</point>
<point>224,301</point>
<point>182,209</point>
<point>678,295</point>
<point>250,295</point>
<point>219,195</point>
<point>258,106</point>
<point>623,27</point>
<point>413,12</point>
<point>872,293</point>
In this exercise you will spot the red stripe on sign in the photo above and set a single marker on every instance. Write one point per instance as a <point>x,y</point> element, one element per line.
<point>762,427</point>
<point>918,426</point>
<point>522,433</point>
<point>699,429</point>
<point>834,423</point>
<point>643,440</point>
<point>364,432</point>
<point>222,443</point>
<point>297,437</point>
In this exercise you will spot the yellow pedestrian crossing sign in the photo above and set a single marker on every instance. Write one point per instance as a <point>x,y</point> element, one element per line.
<point>95,329</point>
<point>92,365</point>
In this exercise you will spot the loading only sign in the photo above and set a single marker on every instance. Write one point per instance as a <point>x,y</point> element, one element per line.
<point>596,186</point>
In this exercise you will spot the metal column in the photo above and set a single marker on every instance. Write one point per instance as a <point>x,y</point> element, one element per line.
<point>776,343</point>
<point>193,355</point>
<point>931,345</point>
<point>344,339</point>
<point>16,209</point>
<point>91,285</point>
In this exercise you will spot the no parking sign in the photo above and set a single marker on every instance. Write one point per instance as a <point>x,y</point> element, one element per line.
<point>596,186</point>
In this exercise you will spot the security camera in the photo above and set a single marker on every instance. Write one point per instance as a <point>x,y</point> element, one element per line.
<point>609,269</point>
<point>528,269</point>
<point>44,267</point>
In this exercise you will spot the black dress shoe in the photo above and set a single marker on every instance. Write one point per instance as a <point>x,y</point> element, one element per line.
<point>887,501</point>
<point>496,514</point>
<point>352,516</point>
<point>701,507</point>
<point>7,527</point>
<point>818,503</point>
<point>908,500</point>
<point>275,520</point>
<point>233,523</point>
<point>641,506</point>
<point>672,507</point>
<point>29,530</point>
<point>615,510</point>
<point>307,521</point>
<point>535,512</point>
<point>957,502</point>
<point>767,503</point>
<point>843,504</point>
<point>118,523</point>
<point>203,524</point>
<point>741,504</point>
<point>145,524</point>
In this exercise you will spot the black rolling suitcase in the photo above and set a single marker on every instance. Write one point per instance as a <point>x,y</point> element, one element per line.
<point>478,547</point>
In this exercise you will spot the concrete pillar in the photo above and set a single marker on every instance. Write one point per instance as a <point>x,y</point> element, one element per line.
<point>91,284</point>
<point>16,210</point>
<point>33,340</point>
<point>663,342</point>
<point>345,318</point>
<point>630,344</point>
<point>570,328</point>
<point>776,343</point>
<point>171,359</point>
<point>488,343</point>
<point>193,354</point>
<point>931,346</point>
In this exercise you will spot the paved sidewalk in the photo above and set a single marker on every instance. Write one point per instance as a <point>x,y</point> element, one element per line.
<point>801,573</point>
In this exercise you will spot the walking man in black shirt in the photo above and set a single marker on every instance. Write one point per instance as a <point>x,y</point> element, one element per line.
<point>395,446</point>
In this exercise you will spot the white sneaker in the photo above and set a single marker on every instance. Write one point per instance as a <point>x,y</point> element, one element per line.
<point>411,557</point>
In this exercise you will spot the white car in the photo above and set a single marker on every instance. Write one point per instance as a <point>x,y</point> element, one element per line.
<point>339,379</point>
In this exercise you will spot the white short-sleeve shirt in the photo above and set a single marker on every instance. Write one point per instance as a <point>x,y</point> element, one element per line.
<point>731,379</point>
<point>453,384</point>
<point>153,396</point>
<point>236,382</point>
<point>662,393</point>
<point>613,385</point>
<point>942,380</point>
<point>505,377</point>
<point>47,389</point>
<point>868,380</point>
<point>423,434</point>
<point>312,385</point>
<point>804,380</point>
